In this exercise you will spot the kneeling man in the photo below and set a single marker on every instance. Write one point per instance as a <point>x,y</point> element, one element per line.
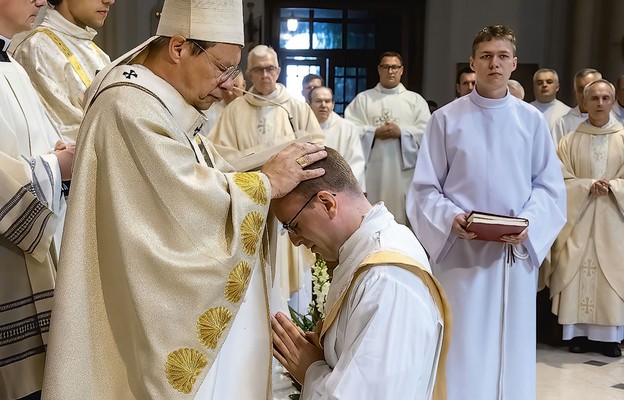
<point>387,322</point>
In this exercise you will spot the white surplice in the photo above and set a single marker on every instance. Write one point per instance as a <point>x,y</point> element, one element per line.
<point>32,209</point>
<point>344,137</point>
<point>57,82</point>
<point>618,111</point>
<point>567,124</point>
<point>553,110</point>
<point>492,155</point>
<point>213,114</point>
<point>390,162</point>
<point>385,342</point>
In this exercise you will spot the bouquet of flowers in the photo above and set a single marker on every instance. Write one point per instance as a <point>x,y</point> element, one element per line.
<point>316,310</point>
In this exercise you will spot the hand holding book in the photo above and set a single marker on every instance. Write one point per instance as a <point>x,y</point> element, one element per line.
<point>496,227</point>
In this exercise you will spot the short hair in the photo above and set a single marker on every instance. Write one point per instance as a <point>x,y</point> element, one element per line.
<point>338,177</point>
<point>163,41</point>
<point>262,50</point>
<point>309,97</point>
<point>542,70</point>
<point>464,70</point>
<point>499,32</point>
<point>514,84</point>
<point>585,72</point>
<point>390,54</point>
<point>589,85</point>
<point>310,77</point>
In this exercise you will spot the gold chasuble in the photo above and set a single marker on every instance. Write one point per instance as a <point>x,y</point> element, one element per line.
<point>158,251</point>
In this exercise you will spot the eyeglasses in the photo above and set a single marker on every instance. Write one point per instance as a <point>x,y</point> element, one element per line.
<point>391,68</point>
<point>288,225</point>
<point>227,73</point>
<point>271,69</point>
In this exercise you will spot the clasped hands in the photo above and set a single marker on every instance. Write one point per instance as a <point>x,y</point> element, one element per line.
<point>461,221</point>
<point>388,131</point>
<point>600,188</point>
<point>294,349</point>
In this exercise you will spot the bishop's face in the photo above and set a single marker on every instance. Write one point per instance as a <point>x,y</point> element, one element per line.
<point>83,13</point>
<point>201,79</point>
<point>18,15</point>
<point>493,62</point>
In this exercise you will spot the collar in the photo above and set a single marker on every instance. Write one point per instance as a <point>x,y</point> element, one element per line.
<point>188,118</point>
<point>280,95</point>
<point>331,119</point>
<point>610,127</point>
<point>395,90</point>
<point>55,21</point>
<point>485,102</point>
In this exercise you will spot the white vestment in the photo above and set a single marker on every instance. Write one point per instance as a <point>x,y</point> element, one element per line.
<point>390,162</point>
<point>249,123</point>
<point>492,155</point>
<point>172,272</point>
<point>61,83</point>
<point>586,281</point>
<point>32,209</point>
<point>552,111</point>
<point>386,339</point>
<point>213,114</point>
<point>344,137</point>
<point>618,111</point>
<point>567,124</point>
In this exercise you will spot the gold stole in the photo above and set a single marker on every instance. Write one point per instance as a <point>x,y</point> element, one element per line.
<point>386,257</point>
<point>71,58</point>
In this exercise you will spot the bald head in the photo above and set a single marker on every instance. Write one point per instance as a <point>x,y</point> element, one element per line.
<point>515,88</point>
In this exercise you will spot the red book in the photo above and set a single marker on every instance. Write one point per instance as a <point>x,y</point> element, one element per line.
<point>492,226</point>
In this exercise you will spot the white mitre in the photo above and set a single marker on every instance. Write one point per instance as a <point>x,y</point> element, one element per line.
<point>218,21</point>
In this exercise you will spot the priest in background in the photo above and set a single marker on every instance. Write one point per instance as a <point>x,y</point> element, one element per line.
<point>569,122</point>
<point>163,268</point>
<point>393,119</point>
<point>340,134</point>
<point>387,325</point>
<point>62,59</point>
<point>545,88</point>
<point>587,278</point>
<point>33,163</point>
<point>618,106</point>
<point>488,151</point>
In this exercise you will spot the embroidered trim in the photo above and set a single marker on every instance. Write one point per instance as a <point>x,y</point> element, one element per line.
<point>182,368</point>
<point>237,281</point>
<point>252,185</point>
<point>71,58</point>
<point>211,324</point>
<point>251,228</point>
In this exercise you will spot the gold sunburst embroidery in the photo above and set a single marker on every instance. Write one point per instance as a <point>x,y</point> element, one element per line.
<point>251,228</point>
<point>253,186</point>
<point>211,325</point>
<point>182,368</point>
<point>237,281</point>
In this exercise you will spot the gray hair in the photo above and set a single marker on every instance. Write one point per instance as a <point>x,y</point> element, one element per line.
<point>541,70</point>
<point>262,50</point>
<point>589,85</point>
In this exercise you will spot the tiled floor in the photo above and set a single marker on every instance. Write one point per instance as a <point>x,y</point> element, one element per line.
<point>562,375</point>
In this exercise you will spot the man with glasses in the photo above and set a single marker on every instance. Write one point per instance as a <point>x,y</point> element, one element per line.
<point>394,120</point>
<point>385,320</point>
<point>163,274</point>
<point>264,117</point>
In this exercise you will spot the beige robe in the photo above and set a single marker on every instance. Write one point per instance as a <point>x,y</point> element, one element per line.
<point>159,251</point>
<point>31,213</point>
<point>587,278</point>
<point>61,73</point>
<point>249,123</point>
